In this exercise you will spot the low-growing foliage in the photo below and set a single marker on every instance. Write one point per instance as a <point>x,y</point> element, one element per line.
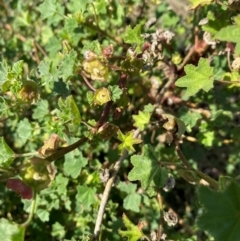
<point>119,120</point>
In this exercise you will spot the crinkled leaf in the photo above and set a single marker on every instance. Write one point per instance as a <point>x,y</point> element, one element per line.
<point>197,78</point>
<point>141,119</point>
<point>17,68</point>
<point>74,164</point>
<point>3,106</point>
<point>6,153</point>
<point>93,46</point>
<point>133,233</point>
<point>67,66</point>
<point>48,9</point>
<point>133,36</point>
<point>10,231</point>
<point>46,71</point>
<point>221,217</point>
<point>24,130</point>
<point>69,113</point>
<point>199,3</point>
<point>3,72</point>
<point>86,195</point>
<point>127,140</point>
<point>147,169</point>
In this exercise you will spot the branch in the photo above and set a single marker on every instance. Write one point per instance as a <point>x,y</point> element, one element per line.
<point>107,190</point>
<point>63,151</point>
<point>87,82</point>
<point>213,183</point>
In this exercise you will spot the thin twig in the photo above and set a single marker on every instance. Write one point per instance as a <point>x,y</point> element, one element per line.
<point>228,50</point>
<point>228,82</point>
<point>160,227</point>
<point>107,190</point>
<point>87,82</point>
<point>213,183</point>
<point>165,87</point>
<point>182,157</point>
<point>63,151</point>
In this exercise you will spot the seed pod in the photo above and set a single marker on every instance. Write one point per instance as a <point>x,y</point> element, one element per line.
<point>101,96</point>
<point>29,92</point>
<point>37,173</point>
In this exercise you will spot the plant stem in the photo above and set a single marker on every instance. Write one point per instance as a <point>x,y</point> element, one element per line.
<point>107,190</point>
<point>160,227</point>
<point>87,82</point>
<point>31,214</point>
<point>213,183</point>
<point>63,151</point>
<point>26,154</point>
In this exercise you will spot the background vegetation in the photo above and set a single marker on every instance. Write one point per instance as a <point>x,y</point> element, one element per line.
<point>119,120</point>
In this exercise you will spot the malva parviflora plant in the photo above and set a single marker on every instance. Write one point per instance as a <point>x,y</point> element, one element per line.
<point>119,120</point>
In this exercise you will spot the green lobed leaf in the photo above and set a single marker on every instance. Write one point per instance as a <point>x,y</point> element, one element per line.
<point>141,119</point>
<point>132,200</point>
<point>86,195</point>
<point>24,130</point>
<point>69,113</point>
<point>48,9</point>
<point>41,110</point>
<point>230,33</point>
<point>6,153</point>
<point>196,78</point>
<point>133,233</point>
<point>74,164</point>
<point>58,230</point>
<point>10,231</point>
<point>67,66</point>
<point>133,36</point>
<point>147,169</point>
<point>116,92</point>
<point>190,119</point>
<point>221,217</point>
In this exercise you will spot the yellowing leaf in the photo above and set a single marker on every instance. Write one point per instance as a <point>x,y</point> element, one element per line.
<point>199,3</point>
<point>133,233</point>
<point>196,78</point>
<point>127,140</point>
